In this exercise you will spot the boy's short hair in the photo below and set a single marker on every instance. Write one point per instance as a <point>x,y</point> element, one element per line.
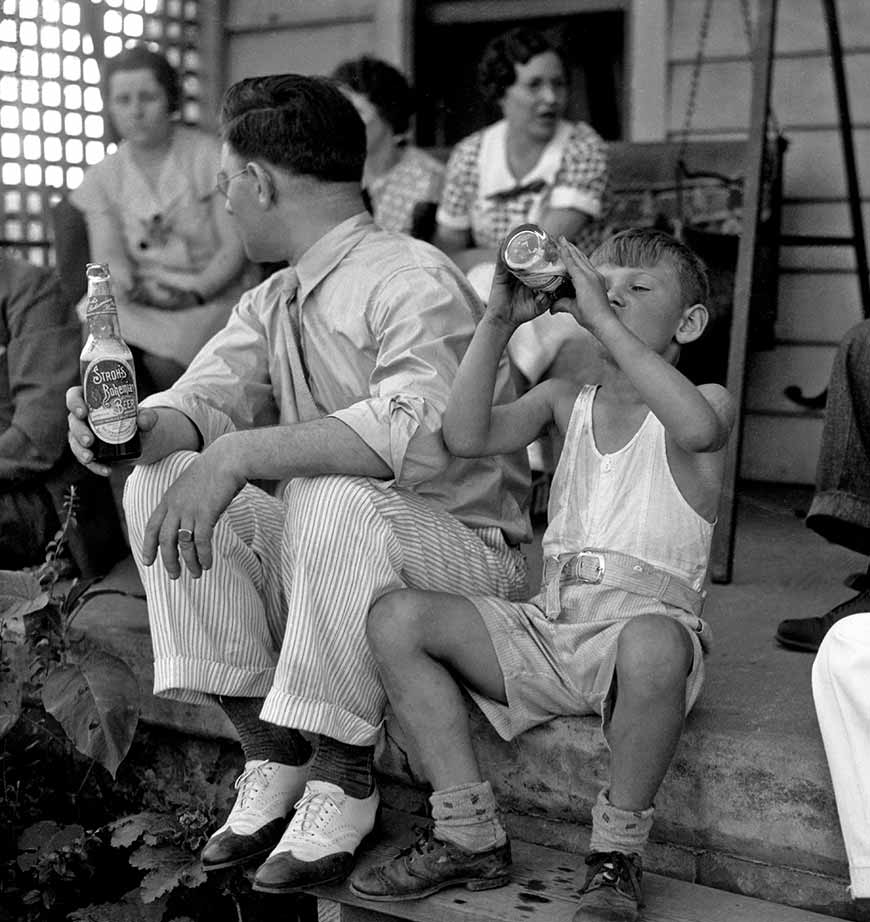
<point>302,124</point>
<point>384,87</point>
<point>643,246</point>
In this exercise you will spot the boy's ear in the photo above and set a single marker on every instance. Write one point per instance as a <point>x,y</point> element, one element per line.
<point>692,324</point>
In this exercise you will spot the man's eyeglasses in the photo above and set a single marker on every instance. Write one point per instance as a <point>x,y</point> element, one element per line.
<point>222,183</point>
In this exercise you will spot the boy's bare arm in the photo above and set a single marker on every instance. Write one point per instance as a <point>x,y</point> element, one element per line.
<point>472,426</point>
<point>697,419</point>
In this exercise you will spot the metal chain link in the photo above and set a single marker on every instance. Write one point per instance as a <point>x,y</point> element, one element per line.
<point>695,80</point>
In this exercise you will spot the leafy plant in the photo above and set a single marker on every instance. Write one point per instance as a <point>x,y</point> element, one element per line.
<point>92,694</point>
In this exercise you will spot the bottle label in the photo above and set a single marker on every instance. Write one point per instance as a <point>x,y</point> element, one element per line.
<point>110,393</point>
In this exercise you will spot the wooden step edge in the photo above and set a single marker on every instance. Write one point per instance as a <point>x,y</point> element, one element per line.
<point>545,888</point>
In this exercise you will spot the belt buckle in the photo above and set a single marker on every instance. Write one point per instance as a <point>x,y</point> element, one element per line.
<point>590,567</point>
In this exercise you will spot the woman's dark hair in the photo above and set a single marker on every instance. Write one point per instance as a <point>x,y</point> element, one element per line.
<point>497,68</point>
<point>302,124</point>
<point>140,57</point>
<point>386,89</point>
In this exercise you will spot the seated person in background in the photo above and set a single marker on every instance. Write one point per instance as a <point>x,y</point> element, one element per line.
<point>840,510</point>
<point>531,166</point>
<point>616,628</point>
<point>403,183</point>
<point>39,358</point>
<point>841,676</point>
<point>152,215</point>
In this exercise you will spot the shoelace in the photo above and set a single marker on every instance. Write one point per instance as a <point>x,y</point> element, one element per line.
<point>613,868</point>
<point>250,784</point>
<point>312,812</point>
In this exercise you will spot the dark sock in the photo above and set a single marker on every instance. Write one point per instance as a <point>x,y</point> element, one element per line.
<point>262,740</point>
<point>350,767</point>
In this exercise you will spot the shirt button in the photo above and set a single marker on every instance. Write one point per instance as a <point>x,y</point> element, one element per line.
<point>607,466</point>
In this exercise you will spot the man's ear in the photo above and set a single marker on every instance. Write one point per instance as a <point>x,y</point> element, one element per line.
<point>265,183</point>
<point>692,324</point>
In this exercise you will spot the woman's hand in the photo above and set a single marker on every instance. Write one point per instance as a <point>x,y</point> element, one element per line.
<point>512,303</point>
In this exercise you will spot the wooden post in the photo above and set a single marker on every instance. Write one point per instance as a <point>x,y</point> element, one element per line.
<point>722,552</point>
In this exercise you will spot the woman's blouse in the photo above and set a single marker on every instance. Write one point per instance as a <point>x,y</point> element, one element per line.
<point>483,196</point>
<point>167,226</point>
<point>417,177</point>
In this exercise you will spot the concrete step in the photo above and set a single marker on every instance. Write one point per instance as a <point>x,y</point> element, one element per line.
<point>544,888</point>
<point>747,804</point>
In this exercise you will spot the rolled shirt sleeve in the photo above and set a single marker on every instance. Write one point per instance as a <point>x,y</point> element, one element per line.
<point>582,177</point>
<point>423,322</point>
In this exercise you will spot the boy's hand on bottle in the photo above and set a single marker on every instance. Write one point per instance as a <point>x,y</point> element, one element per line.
<point>591,302</point>
<point>513,303</point>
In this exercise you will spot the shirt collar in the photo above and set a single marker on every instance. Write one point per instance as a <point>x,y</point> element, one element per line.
<point>327,252</point>
<point>495,175</point>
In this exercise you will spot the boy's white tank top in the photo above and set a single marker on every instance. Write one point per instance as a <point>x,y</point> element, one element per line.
<point>625,501</point>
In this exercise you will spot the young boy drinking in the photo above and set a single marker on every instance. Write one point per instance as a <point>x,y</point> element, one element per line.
<point>616,627</point>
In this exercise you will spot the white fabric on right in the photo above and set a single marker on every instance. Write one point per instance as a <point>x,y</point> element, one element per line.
<point>841,677</point>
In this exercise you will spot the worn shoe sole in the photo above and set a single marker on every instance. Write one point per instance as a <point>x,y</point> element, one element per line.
<point>236,862</point>
<point>470,883</point>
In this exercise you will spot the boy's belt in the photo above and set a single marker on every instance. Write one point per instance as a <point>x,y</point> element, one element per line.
<point>609,568</point>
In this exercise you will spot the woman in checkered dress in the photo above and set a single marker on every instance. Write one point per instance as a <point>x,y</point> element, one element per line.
<point>530,166</point>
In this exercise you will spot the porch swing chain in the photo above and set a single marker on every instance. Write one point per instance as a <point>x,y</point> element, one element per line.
<point>682,170</point>
<point>695,80</point>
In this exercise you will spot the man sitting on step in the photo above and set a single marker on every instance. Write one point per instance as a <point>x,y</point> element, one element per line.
<point>331,377</point>
<point>616,628</point>
<point>840,510</point>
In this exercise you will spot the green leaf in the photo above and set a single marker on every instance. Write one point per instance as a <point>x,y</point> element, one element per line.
<point>96,701</point>
<point>20,593</point>
<point>129,908</point>
<point>149,824</point>
<point>14,674</point>
<point>168,867</point>
<point>43,838</point>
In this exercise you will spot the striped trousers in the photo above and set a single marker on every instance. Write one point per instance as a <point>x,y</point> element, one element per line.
<point>841,679</point>
<point>281,614</point>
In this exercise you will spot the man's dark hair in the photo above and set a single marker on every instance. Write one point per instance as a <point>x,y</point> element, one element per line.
<point>384,87</point>
<point>141,57</point>
<point>299,123</point>
<point>497,69</point>
<point>645,247</point>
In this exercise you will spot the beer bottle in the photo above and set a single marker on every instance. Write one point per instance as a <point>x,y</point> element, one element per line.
<point>108,377</point>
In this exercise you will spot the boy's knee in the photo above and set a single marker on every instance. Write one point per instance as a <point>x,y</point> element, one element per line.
<point>654,654</point>
<point>393,623</point>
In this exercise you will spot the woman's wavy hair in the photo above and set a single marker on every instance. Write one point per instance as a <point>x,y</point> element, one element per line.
<point>299,123</point>
<point>497,69</point>
<point>384,86</point>
<point>141,57</point>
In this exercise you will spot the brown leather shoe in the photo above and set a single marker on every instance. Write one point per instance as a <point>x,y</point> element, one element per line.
<point>808,633</point>
<point>430,865</point>
<point>612,891</point>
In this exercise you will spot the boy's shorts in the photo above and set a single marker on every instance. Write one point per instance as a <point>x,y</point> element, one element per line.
<point>566,667</point>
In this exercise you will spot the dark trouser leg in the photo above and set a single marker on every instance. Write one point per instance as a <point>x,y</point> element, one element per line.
<point>840,510</point>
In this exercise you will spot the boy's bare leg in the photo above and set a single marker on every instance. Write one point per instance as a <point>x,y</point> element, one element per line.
<point>425,644</point>
<point>421,640</point>
<point>653,659</point>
